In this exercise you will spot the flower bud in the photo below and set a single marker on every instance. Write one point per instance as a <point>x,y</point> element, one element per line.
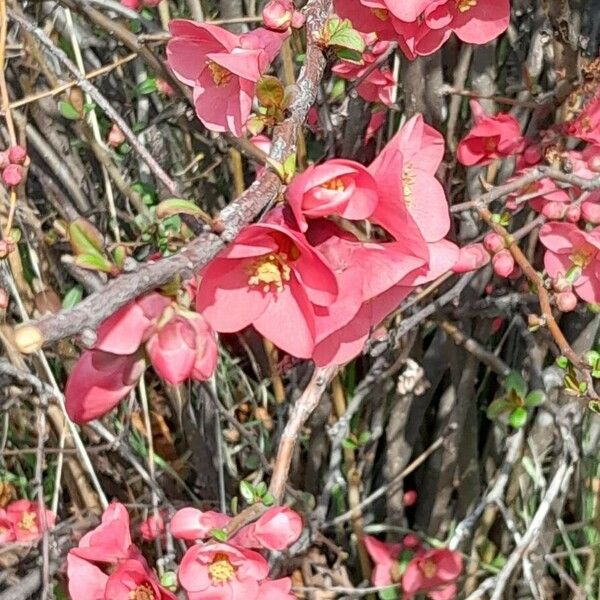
<point>410,498</point>
<point>17,155</point>
<point>133,4</point>
<point>594,163</point>
<point>493,242</point>
<point>503,263</point>
<point>115,137</point>
<point>561,284</point>
<point>28,339</point>
<point>12,175</point>
<point>573,214</point>
<point>411,541</point>
<point>164,88</point>
<point>590,211</point>
<point>554,211</point>
<point>6,247</point>
<point>277,14</point>
<point>566,301</point>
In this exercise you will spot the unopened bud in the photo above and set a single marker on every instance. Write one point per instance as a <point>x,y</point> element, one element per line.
<point>554,211</point>
<point>410,498</point>
<point>164,87</point>
<point>566,301</point>
<point>590,211</point>
<point>17,155</point>
<point>115,137</point>
<point>493,242</point>
<point>28,339</point>
<point>12,175</point>
<point>277,14</point>
<point>503,263</point>
<point>573,214</point>
<point>561,284</point>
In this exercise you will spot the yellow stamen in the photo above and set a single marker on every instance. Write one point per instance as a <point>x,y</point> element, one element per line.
<point>220,75</point>
<point>465,5</point>
<point>381,13</point>
<point>270,272</point>
<point>28,521</point>
<point>221,570</point>
<point>335,184</point>
<point>429,568</point>
<point>490,144</point>
<point>583,256</point>
<point>142,592</point>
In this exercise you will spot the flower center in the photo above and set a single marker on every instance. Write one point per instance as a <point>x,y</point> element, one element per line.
<point>408,183</point>
<point>270,270</point>
<point>465,5</point>
<point>28,521</point>
<point>490,144</point>
<point>381,13</point>
<point>142,592</point>
<point>429,568</point>
<point>336,184</point>
<point>221,569</point>
<point>583,256</point>
<point>220,75</point>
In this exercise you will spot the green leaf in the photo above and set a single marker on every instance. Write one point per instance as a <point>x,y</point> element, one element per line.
<point>255,124</point>
<point>535,398</point>
<point>343,35</point>
<point>148,86</point>
<point>390,593</point>
<point>496,408</point>
<point>85,238</point>
<point>119,255</point>
<point>169,580</point>
<point>261,489</point>
<point>68,111</point>
<point>270,91</point>
<point>247,491</point>
<point>72,297</point>
<point>268,499</point>
<point>514,382</point>
<point>349,444</point>
<point>219,534</point>
<point>352,56</point>
<point>592,357</point>
<point>518,417</point>
<point>177,206</point>
<point>289,168</point>
<point>562,362</point>
<point>94,262</point>
<point>364,438</point>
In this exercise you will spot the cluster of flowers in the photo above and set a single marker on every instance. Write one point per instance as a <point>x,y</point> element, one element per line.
<point>22,521</point>
<point>571,235</point>
<point>11,165</point>
<point>106,564</point>
<point>418,571</point>
<point>422,26</point>
<point>311,277</point>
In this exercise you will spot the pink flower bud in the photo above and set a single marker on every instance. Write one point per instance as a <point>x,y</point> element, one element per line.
<point>554,210</point>
<point>298,19</point>
<point>410,498</point>
<point>3,299</point>
<point>566,301</point>
<point>503,263</point>
<point>411,541</point>
<point>590,211</point>
<point>4,160</point>
<point>17,155</point>
<point>573,214</point>
<point>594,163</point>
<point>277,14</point>
<point>12,175</point>
<point>115,137</point>
<point>493,242</point>
<point>164,88</point>
<point>133,4</point>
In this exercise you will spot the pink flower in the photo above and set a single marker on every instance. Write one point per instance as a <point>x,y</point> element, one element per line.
<point>151,528</point>
<point>367,18</point>
<point>586,126</point>
<point>17,155</point>
<point>271,278</point>
<point>473,21</point>
<point>336,187</point>
<point>115,136</point>
<point>471,258</point>
<point>277,529</point>
<point>573,253</point>
<point>110,541</point>
<point>223,69</point>
<point>490,138</point>
<point>405,172</point>
<point>221,572</point>
<point>378,84</point>
<point>280,15</point>
<point>503,263</point>
<point>27,520</point>
<point>385,556</point>
<point>133,579</point>
<point>193,524</point>
<point>12,175</point>
<point>87,581</point>
<point>435,573</point>
<point>7,531</point>
<point>276,589</point>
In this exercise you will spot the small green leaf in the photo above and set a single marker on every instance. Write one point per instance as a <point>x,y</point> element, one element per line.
<point>518,417</point>
<point>219,534</point>
<point>268,499</point>
<point>261,489</point>
<point>85,238</point>
<point>352,56</point>
<point>349,444</point>
<point>496,408</point>
<point>270,91</point>
<point>515,382</point>
<point>68,111</point>
<point>535,398</point>
<point>148,86</point>
<point>389,593</point>
<point>255,124</point>
<point>289,168</point>
<point>562,362</point>
<point>72,297</point>
<point>94,262</point>
<point>247,491</point>
<point>119,255</point>
<point>175,206</point>
<point>364,438</point>
<point>342,35</point>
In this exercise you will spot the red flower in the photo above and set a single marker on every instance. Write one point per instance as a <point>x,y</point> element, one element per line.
<point>277,529</point>
<point>26,520</point>
<point>271,278</point>
<point>490,138</point>
<point>134,580</point>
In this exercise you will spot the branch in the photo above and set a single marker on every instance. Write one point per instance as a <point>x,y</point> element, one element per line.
<point>89,313</point>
